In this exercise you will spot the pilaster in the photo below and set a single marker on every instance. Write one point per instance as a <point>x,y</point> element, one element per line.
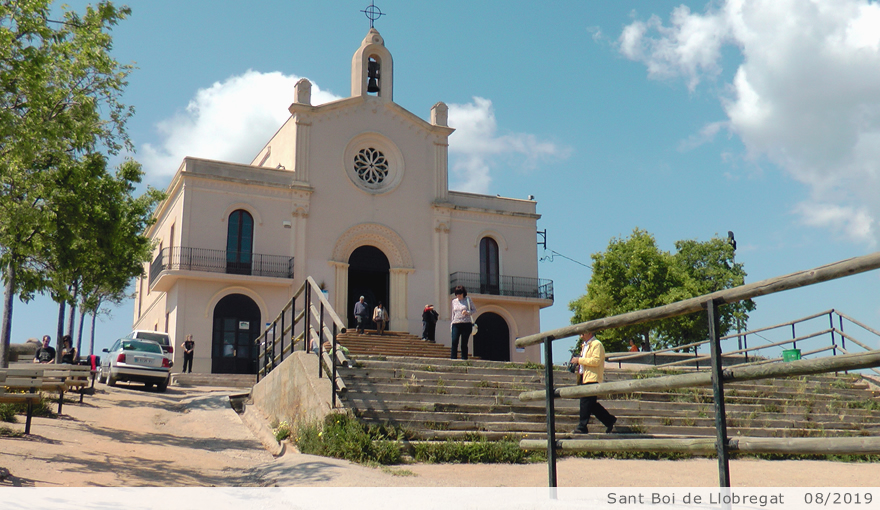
<point>301,149</point>
<point>398,299</point>
<point>340,289</point>
<point>441,271</point>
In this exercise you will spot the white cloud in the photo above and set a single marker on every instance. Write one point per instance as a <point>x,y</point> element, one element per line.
<point>854,224</point>
<point>233,119</point>
<point>229,121</point>
<point>475,148</point>
<point>806,95</point>
<point>706,135</point>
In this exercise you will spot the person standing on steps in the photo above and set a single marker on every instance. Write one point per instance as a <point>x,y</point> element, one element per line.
<point>591,370</point>
<point>361,314</point>
<point>380,317</point>
<point>189,346</point>
<point>462,322</point>
<point>429,323</point>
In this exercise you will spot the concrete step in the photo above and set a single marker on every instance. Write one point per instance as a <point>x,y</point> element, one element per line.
<point>215,380</point>
<point>442,398</point>
<point>391,343</point>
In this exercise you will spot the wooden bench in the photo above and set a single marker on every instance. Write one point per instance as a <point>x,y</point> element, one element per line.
<point>35,378</point>
<point>30,381</point>
<point>63,378</point>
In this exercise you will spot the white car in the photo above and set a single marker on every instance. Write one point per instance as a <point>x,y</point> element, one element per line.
<point>135,361</point>
<point>163,339</point>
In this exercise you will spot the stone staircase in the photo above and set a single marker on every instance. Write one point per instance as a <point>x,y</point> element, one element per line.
<point>391,343</point>
<point>439,398</point>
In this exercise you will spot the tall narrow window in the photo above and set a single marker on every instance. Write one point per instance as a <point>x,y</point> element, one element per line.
<point>239,242</point>
<point>489,273</point>
<point>171,245</point>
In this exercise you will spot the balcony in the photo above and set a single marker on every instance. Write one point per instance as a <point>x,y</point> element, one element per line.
<point>182,258</point>
<point>513,286</point>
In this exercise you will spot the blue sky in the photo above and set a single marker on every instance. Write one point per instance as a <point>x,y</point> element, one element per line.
<point>685,119</point>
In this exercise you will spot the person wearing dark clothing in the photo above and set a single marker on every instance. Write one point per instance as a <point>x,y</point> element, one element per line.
<point>68,352</point>
<point>429,323</point>
<point>189,346</point>
<point>361,314</point>
<point>45,353</point>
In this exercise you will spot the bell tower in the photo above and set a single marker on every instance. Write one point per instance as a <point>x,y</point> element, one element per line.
<point>372,70</point>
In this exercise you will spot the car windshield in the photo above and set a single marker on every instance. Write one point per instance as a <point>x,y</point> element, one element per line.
<point>161,339</point>
<point>134,345</point>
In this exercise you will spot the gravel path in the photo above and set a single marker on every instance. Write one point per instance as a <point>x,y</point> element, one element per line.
<point>190,437</point>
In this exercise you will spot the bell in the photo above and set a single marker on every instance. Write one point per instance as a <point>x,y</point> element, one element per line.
<point>373,75</point>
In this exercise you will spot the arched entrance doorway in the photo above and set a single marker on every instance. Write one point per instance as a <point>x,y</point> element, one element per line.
<point>236,326</point>
<point>492,341</point>
<point>368,276</point>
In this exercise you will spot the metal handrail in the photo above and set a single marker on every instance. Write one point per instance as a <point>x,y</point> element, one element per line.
<point>185,258</point>
<point>272,348</point>
<point>515,286</point>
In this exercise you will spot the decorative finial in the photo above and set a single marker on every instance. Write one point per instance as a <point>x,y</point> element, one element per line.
<point>373,13</point>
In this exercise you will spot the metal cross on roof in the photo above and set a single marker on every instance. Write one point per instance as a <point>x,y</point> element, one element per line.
<point>373,13</point>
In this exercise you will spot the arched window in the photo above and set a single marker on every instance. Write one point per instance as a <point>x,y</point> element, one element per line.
<point>239,242</point>
<point>489,272</point>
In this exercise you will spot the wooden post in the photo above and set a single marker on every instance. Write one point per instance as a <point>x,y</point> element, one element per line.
<point>868,445</point>
<point>718,392</point>
<point>762,288</point>
<point>730,374</point>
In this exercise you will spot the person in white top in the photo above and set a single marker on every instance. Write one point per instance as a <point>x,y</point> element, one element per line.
<point>380,317</point>
<point>462,322</point>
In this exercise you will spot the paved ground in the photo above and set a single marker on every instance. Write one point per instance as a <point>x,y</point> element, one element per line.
<point>190,437</point>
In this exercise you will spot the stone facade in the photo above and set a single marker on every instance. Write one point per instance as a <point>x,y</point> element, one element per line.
<point>353,193</point>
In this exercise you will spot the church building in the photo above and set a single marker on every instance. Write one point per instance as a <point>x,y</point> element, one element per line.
<point>353,193</point>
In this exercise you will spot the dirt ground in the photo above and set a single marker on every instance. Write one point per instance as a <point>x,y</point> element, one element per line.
<point>191,437</point>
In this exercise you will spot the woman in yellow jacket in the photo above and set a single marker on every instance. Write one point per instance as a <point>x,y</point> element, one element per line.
<point>591,370</point>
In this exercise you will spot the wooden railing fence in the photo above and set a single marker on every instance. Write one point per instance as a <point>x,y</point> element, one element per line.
<point>837,333</point>
<point>722,444</point>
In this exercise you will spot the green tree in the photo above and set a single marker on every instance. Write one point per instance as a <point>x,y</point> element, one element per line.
<point>115,230</point>
<point>59,101</point>
<point>703,268</point>
<point>634,274</point>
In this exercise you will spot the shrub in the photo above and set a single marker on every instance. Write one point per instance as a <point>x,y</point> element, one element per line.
<point>8,432</point>
<point>342,436</point>
<point>7,413</point>
<point>41,408</point>
<point>282,431</point>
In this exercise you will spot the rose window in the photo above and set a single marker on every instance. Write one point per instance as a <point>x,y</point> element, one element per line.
<point>371,166</point>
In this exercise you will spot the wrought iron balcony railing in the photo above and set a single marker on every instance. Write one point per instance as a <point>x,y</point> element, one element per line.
<point>516,286</point>
<point>220,261</point>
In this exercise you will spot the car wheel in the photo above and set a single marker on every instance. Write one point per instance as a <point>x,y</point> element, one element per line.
<point>162,386</point>
<point>101,377</point>
<point>111,381</point>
